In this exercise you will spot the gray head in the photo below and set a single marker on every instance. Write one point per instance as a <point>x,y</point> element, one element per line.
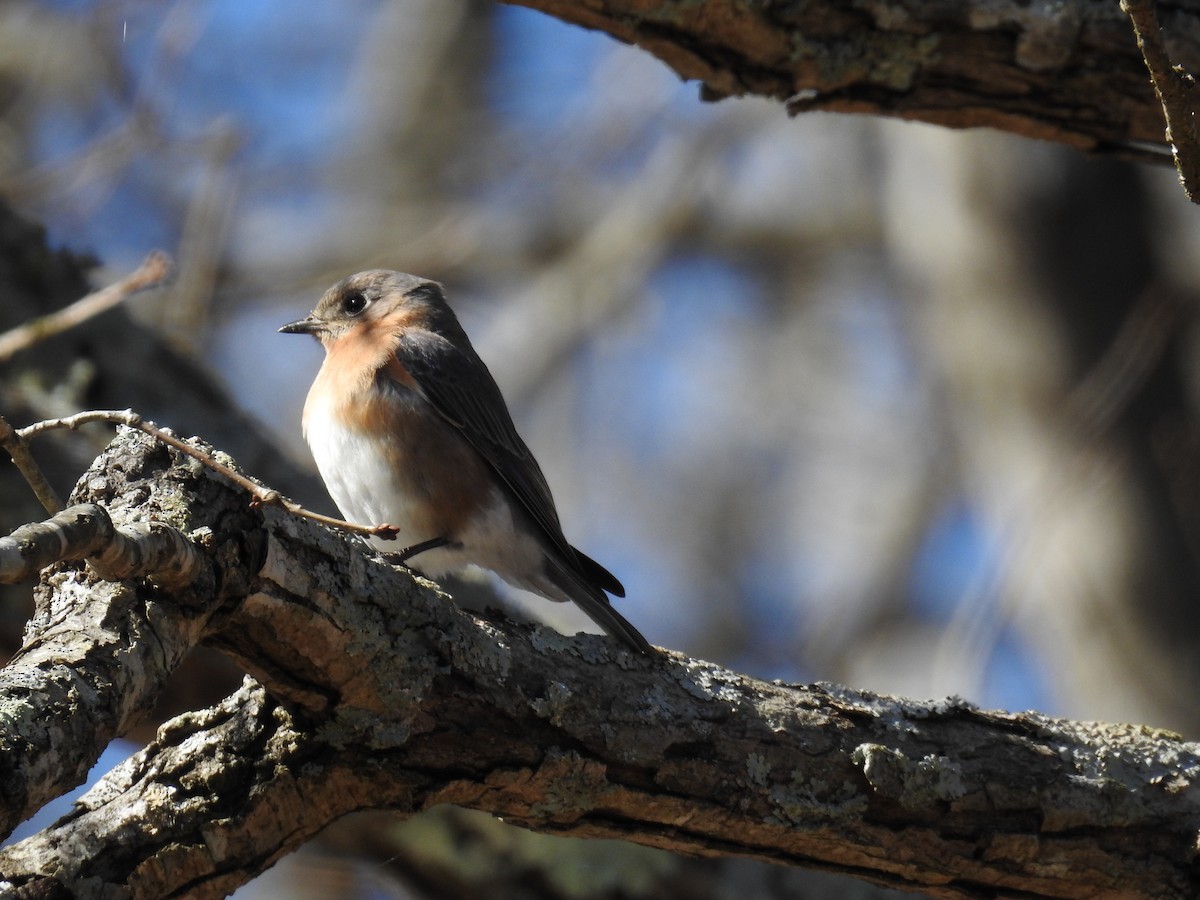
<point>373,296</point>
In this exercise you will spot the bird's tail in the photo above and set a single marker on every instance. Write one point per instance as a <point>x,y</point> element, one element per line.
<point>574,585</point>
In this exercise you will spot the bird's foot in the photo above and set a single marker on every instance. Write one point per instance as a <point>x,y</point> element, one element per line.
<point>408,553</point>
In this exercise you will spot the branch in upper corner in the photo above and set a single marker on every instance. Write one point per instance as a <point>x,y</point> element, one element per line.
<point>152,271</point>
<point>1176,91</point>
<point>1063,71</point>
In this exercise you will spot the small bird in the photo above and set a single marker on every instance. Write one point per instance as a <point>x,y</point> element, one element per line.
<point>409,428</point>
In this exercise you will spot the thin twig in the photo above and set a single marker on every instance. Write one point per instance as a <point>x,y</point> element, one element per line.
<point>1176,90</point>
<point>262,496</point>
<point>14,443</point>
<point>152,271</point>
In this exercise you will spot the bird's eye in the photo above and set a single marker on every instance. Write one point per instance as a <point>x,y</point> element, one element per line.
<point>354,303</point>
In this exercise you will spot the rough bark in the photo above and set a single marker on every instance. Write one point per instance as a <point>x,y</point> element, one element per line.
<point>374,691</point>
<point>97,654</point>
<point>114,362</point>
<point>1068,72</point>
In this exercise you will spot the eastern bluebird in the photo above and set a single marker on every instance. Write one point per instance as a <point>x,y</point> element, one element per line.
<point>409,428</point>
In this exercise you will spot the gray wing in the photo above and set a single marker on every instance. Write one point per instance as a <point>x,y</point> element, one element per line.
<point>459,386</point>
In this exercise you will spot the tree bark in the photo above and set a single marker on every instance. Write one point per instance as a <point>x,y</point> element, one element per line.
<point>1068,72</point>
<point>374,691</point>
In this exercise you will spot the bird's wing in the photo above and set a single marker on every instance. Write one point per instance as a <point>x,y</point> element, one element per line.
<point>458,385</point>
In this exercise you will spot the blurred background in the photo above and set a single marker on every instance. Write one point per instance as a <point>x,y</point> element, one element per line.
<point>837,398</point>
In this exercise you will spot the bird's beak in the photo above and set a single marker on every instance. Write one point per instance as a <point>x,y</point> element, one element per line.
<point>310,324</point>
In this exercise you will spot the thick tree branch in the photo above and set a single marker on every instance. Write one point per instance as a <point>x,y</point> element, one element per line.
<point>378,692</point>
<point>97,653</point>
<point>1068,72</point>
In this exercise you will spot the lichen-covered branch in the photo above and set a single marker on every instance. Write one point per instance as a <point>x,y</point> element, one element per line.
<point>376,691</point>
<point>97,653</point>
<point>1068,72</point>
<point>143,550</point>
<point>231,789</point>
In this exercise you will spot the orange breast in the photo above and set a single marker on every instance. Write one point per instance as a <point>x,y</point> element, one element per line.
<point>437,478</point>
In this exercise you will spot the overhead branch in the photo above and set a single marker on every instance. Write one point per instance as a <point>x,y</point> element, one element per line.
<point>1068,72</point>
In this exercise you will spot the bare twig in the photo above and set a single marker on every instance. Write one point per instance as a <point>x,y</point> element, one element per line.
<point>12,441</point>
<point>1176,91</point>
<point>262,496</point>
<point>152,271</point>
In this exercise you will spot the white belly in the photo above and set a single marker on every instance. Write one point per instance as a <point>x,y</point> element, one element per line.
<point>359,476</point>
<point>364,484</point>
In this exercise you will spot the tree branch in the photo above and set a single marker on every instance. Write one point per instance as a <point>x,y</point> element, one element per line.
<point>377,692</point>
<point>153,270</point>
<point>1067,72</point>
<point>97,653</point>
<point>14,444</point>
<point>155,551</point>
<point>130,419</point>
<point>1176,92</point>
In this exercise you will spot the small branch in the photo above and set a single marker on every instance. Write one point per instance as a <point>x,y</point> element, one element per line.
<point>1176,92</point>
<point>152,271</point>
<point>155,551</point>
<point>262,496</point>
<point>11,441</point>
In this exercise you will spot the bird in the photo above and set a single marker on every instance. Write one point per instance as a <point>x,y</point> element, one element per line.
<point>409,429</point>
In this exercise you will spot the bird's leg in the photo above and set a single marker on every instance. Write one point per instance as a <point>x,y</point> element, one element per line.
<point>408,553</point>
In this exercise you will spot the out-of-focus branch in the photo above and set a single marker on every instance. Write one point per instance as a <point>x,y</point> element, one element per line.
<point>1176,91</point>
<point>1108,387</point>
<point>376,692</point>
<point>151,272</point>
